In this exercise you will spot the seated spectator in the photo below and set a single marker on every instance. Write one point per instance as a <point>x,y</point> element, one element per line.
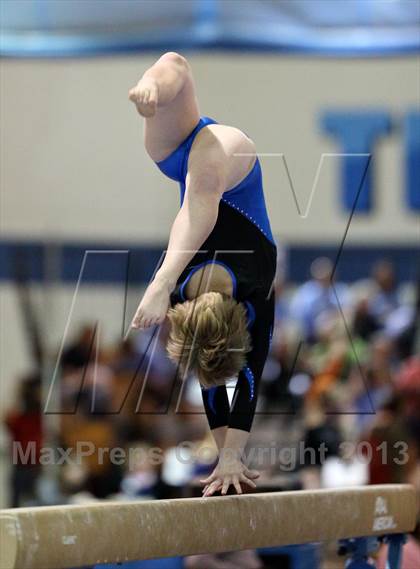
<point>125,359</point>
<point>365,324</point>
<point>140,478</point>
<point>384,299</point>
<point>322,437</point>
<point>392,453</point>
<point>333,355</point>
<point>78,354</point>
<point>101,476</point>
<point>408,388</point>
<point>25,427</point>
<point>94,381</point>
<point>372,383</point>
<point>317,296</point>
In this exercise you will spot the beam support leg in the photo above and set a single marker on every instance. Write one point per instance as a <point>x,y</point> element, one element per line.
<point>359,549</point>
<point>395,544</point>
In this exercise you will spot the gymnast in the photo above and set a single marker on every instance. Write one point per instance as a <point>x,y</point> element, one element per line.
<point>215,283</point>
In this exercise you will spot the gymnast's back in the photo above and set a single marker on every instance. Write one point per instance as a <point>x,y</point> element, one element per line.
<point>242,237</point>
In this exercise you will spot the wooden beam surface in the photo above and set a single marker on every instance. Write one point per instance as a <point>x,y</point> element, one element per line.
<point>60,537</point>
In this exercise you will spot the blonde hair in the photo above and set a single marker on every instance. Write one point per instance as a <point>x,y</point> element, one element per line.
<point>209,335</point>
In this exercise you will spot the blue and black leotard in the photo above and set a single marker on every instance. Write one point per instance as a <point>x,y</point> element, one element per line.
<point>243,243</point>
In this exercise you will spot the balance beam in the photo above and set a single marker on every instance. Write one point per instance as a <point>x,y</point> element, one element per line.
<point>62,537</point>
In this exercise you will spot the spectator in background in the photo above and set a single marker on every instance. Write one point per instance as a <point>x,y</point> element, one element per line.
<point>25,427</point>
<point>99,475</point>
<point>94,381</point>
<point>384,299</point>
<point>408,387</point>
<point>152,347</point>
<point>390,444</point>
<point>333,355</point>
<point>281,367</point>
<point>126,359</point>
<point>282,310</point>
<point>403,325</point>
<point>371,383</point>
<point>141,474</point>
<point>316,296</point>
<point>397,320</point>
<point>322,437</point>
<point>78,354</point>
<point>364,323</point>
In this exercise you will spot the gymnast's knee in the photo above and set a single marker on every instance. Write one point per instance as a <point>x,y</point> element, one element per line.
<point>176,59</point>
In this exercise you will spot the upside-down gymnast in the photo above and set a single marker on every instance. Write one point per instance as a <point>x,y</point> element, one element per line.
<point>215,283</point>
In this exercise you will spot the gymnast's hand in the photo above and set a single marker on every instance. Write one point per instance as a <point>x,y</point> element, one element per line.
<point>153,306</point>
<point>229,471</point>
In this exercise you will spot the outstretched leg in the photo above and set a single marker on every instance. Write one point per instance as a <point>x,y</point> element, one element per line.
<point>165,96</point>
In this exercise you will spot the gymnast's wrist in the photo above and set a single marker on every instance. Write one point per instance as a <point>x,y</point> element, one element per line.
<point>165,280</point>
<point>229,454</point>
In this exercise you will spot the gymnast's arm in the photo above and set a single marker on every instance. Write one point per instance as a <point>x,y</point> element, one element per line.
<point>230,443</point>
<point>235,424</point>
<point>193,224</point>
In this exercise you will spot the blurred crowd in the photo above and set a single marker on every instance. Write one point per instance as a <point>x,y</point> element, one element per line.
<point>342,380</point>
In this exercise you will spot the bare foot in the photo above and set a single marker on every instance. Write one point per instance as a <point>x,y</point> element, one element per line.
<point>153,306</point>
<point>145,96</point>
